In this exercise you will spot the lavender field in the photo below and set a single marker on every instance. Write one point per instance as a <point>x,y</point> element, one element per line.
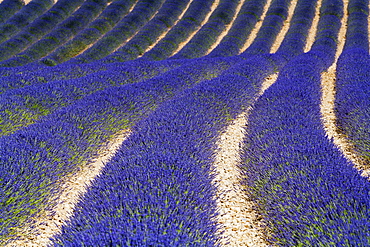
<point>184,123</point>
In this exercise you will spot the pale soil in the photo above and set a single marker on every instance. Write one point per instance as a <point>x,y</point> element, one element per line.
<point>313,30</point>
<point>242,225</point>
<point>50,224</point>
<point>256,28</point>
<point>279,39</point>
<point>328,79</point>
<point>227,28</point>
<point>165,32</point>
<point>184,43</point>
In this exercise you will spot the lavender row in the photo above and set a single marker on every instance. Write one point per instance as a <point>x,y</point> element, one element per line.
<point>8,8</point>
<point>35,160</point>
<point>207,35</point>
<point>158,189</point>
<point>96,29</point>
<point>357,26</point>
<point>181,31</point>
<point>309,194</point>
<point>38,28</point>
<point>17,77</point>
<point>35,73</point>
<point>232,43</point>
<point>88,11</point>
<point>352,100</point>
<point>24,106</point>
<point>271,26</point>
<point>352,87</point>
<point>24,16</point>
<point>127,27</point>
<point>148,35</point>
<point>23,76</point>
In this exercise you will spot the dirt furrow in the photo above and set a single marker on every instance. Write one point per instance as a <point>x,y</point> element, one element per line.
<point>313,30</point>
<point>242,225</point>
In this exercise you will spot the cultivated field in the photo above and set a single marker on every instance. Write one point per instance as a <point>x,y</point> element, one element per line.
<point>184,123</point>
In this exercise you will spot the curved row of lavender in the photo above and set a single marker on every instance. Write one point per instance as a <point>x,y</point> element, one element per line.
<point>309,193</point>
<point>157,190</point>
<point>352,105</point>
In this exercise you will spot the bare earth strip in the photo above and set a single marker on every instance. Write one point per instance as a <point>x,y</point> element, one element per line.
<point>227,29</point>
<point>279,39</point>
<point>242,225</point>
<point>257,28</point>
<point>182,44</point>
<point>313,30</point>
<point>165,33</point>
<point>46,227</point>
<point>328,79</point>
